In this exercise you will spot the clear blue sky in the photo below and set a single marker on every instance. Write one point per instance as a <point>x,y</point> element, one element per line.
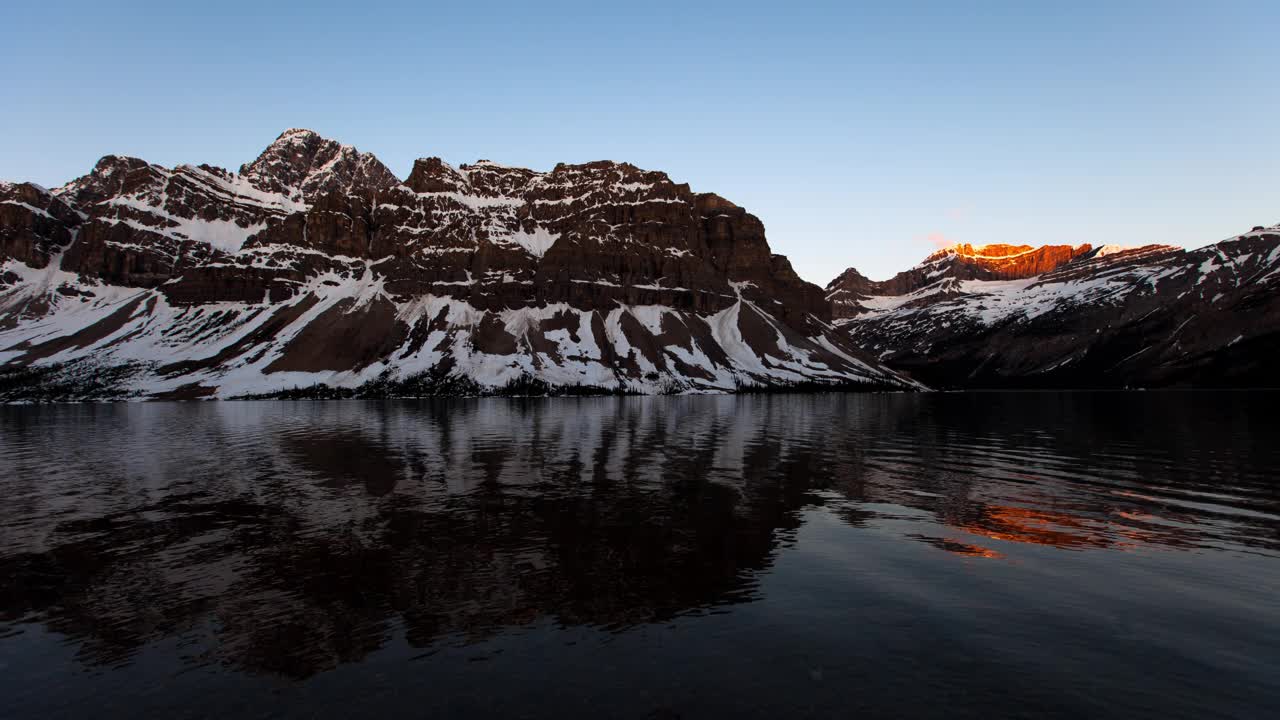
<point>861,133</point>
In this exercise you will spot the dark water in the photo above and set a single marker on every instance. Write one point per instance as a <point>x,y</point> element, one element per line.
<point>958,555</point>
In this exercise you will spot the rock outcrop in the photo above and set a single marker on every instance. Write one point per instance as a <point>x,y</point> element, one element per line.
<point>1110,317</point>
<point>315,271</point>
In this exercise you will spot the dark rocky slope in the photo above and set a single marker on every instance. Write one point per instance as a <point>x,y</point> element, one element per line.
<point>1154,316</point>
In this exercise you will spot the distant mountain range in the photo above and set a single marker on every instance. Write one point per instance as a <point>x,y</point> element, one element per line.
<point>315,272</point>
<point>1006,316</point>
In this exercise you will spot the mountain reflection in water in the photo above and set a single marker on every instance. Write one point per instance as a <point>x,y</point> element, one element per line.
<point>284,541</point>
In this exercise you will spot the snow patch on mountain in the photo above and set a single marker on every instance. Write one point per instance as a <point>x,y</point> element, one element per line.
<point>537,243</point>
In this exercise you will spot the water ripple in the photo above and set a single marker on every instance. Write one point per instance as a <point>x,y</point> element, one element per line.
<point>288,540</point>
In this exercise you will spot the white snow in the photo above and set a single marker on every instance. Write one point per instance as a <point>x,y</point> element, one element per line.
<point>536,243</point>
<point>223,235</point>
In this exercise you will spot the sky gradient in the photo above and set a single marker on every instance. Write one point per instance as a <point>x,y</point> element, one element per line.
<point>862,134</point>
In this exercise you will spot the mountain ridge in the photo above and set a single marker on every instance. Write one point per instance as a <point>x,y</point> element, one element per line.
<point>957,262</point>
<point>315,269</point>
<point>1108,317</point>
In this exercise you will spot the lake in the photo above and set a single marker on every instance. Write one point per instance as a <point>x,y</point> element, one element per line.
<point>889,555</point>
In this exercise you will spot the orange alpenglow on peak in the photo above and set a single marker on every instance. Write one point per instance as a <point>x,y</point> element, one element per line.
<point>996,250</point>
<point>1001,251</point>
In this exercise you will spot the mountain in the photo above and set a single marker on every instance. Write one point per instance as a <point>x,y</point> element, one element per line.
<point>314,271</point>
<point>1076,317</point>
<point>958,262</point>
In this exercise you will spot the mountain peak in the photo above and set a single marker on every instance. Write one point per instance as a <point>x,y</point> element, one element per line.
<point>851,280</point>
<point>432,174</point>
<point>297,132</point>
<point>112,176</point>
<point>302,164</point>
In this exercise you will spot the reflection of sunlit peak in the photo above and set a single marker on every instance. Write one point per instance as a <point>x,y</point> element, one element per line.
<point>1038,527</point>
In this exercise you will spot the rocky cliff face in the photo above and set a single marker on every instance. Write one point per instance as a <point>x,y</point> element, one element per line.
<point>314,270</point>
<point>1065,317</point>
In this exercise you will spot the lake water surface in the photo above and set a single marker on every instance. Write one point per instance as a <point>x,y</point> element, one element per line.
<point>930,555</point>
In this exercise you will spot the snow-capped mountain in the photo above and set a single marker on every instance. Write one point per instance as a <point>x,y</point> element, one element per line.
<point>1076,317</point>
<point>315,270</point>
<point>958,262</point>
